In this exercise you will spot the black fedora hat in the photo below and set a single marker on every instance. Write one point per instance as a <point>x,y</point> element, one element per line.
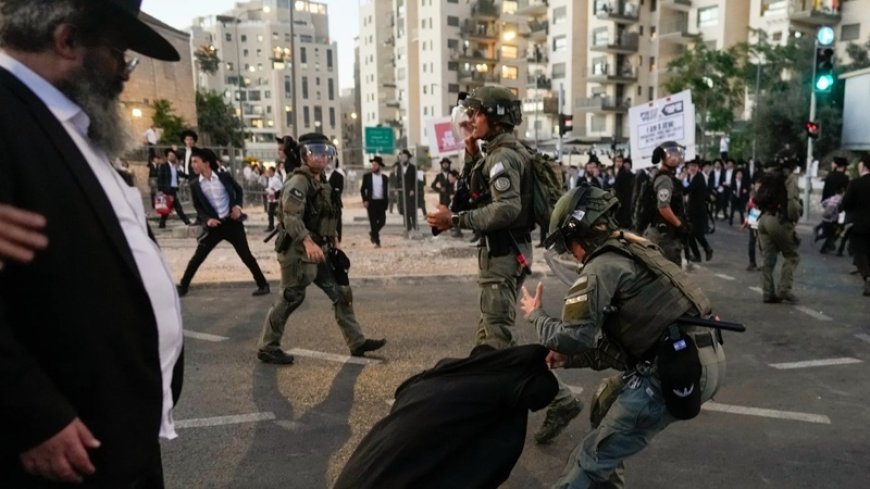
<point>140,37</point>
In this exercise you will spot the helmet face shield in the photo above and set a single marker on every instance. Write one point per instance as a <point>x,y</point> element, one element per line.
<point>460,120</point>
<point>675,155</point>
<point>318,152</point>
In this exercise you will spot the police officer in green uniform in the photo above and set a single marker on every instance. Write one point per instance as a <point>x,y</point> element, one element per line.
<point>306,245</point>
<point>668,225</point>
<point>628,299</point>
<point>776,229</point>
<point>501,211</point>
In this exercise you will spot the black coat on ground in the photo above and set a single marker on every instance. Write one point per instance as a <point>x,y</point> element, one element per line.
<point>461,424</point>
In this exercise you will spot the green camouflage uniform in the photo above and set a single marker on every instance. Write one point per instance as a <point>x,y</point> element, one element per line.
<point>307,209</point>
<point>661,232</point>
<point>499,174</point>
<point>628,409</point>
<point>776,234</point>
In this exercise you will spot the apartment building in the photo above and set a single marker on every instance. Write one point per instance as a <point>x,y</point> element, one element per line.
<point>377,79</point>
<point>258,42</point>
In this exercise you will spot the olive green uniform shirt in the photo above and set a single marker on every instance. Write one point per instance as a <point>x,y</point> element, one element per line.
<point>501,170</point>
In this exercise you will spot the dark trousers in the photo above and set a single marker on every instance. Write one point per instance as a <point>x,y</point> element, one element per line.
<point>697,236</point>
<point>176,205</point>
<point>860,247</point>
<point>377,211</point>
<point>408,209</point>
<point>753,245</point>
<point>229,230</point>
<point>735,207</point>
<point>338,224</point>
<point>272,207</point>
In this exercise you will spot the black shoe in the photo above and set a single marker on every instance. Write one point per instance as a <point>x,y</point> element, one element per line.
<point>771,300</point>
<point>709,252</point>
<point>277,357</point>
<point>751,268</point>
<point>368,345</point>
<point>182,290</point>
<point>788,297</point>
<point>263,290</point>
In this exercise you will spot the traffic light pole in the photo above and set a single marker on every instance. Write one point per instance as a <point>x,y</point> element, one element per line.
<point>808,187</point>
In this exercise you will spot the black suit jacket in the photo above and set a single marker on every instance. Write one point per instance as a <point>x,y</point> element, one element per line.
<point>78,337</point>
<point>204,209</point>
<point>164,177</point>
<point>336,181</point>
<point>856,203</point>
<point>835,181</point>
<point>409,174</point>
<point>739,198</point>
<point>365,189</point>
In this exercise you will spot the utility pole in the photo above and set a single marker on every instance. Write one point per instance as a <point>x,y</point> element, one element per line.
<point>293,59</point>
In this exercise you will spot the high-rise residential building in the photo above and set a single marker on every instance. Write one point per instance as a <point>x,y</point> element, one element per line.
<point>258,42</point>
<point>351,150</point>
<point>539,105</point>
<point>379,105</point>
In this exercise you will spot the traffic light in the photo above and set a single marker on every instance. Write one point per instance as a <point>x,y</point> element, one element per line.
<point>566,123</point>
<point>814,129</point>
<point>824,69</point>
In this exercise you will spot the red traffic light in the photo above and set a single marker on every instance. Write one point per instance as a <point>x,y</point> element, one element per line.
<point>813,129</point>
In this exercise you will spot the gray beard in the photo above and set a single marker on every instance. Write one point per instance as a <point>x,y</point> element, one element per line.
<point>98,98</point>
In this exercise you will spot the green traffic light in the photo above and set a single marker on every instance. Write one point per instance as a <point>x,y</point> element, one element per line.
<point>824,83</point>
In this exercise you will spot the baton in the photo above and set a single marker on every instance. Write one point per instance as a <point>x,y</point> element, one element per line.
<point>270,235</point>
<point>709,323</point>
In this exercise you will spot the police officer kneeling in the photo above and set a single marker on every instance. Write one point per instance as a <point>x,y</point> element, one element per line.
<point>637,300</point>
<point>307,252</point>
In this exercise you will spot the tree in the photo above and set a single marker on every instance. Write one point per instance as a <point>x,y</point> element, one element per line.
<point>217,119</point>
<point>171,124</point>
<point>714,77</point>
<point>207,58</point>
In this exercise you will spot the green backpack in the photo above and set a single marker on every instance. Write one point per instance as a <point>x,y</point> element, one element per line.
<point>546,179</point>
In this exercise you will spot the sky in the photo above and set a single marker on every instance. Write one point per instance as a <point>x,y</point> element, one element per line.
<point>343,23</point>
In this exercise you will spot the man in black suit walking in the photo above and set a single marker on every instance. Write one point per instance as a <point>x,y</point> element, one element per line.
<point>335,179</point>
<point>86,400</point>
<point>856,203</point>
<point>375,192</point>
<point>217,198</point>
<point>168,179</point>
<point>406,180</point>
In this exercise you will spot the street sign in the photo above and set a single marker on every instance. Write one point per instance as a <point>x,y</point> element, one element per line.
<point>670,118</point>
<point>380,140</point>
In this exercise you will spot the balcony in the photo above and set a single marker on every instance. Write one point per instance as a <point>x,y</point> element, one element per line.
<point>624,44</point>
<point>538,30</point>
<point>533,8</point>
<point>476,56</point>
<point>606,74</point>
<point>603,104</point>
<point>805,12</point>
<point>484,9</point>
<point>472,77</point>
<point>677,32</point>
<point>681,5</point>
<point>619,12</point>
<point>539,82</point>
<point>480,31</point>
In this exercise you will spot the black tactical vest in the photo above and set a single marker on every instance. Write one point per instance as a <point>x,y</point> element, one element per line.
<point>482,196</point>
<point>320,210</point>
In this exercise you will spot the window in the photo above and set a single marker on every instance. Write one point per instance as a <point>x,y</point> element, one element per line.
<point>453,88</point>
<point>425,90</point>
<point>425,110</point>
<point>254,95</point>
<point>329,58</point>
<point>652,92</point>
<point>776,37</point>
<point>558,70</point>
<point>600,36</point>
<point>452,21</point>
<point>560,15</point>
<point>452,1</point>
<point>639,90</point>
<point>318,117</point>
<point>228,37</point>
<point>652,5</point>
<point>288,88</point>
<point>508,51</point>
<point>305,87</point>
<point>560,43</point>
<point>332,117</point>
<point>652,32</point>
<point>452,66</point>
<point>306,117</point>
<point>259,38</point>
<point>244,38</point>
<point>245,53</point>
<point>708,16</point>
<point>274,36</point>
<point>652,63</point>
<point>599,123</point>
<point>453,44</point>
<point>288,118</point>
<point>850,32</point>
<point>259,53</point>
<point>303,55</point>
<point>229,67</point>
<point>331,89</point>
<point>509,72</point>
<point>509,7</point>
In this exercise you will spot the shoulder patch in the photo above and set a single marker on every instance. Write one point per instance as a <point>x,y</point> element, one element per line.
<point>297,194</point>
<point>502,183</point>
<point>664,195</point>
<point>496,170</point>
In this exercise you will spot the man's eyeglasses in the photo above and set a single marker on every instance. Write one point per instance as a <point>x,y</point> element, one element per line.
<point>130,63</point>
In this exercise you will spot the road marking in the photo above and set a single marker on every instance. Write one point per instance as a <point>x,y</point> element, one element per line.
<point>726,277</point>
<point>756,289</point>
<point>224,420</point>
<point>814,314</point>
<point>575,390</point>
<point>333,357</point>
<point>863,337</point>
<point>815,363</point>
<point>204,336</point>
<point>766,413</point>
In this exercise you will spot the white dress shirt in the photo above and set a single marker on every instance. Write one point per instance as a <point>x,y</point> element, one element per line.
<point>127,205</point>
<point>173,179</point>
<point>377,187</point>
<point>216,194</point>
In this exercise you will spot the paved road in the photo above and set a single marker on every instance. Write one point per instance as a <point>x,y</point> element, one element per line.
<point>777,423</point>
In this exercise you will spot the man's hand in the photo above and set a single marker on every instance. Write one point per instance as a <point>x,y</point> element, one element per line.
<point>530,304</point>
<point>366,204</point>
<point>313,251</point>
<point>64,456</point>
<point>213,223</point>
<point>235,213</point>
<point>471,145</point>
<point>440,218</point>
<point>20,234</point>
<point>556,360</point>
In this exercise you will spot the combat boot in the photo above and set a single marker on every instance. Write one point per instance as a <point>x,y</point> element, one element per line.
<point>788,297</point>
<point>557,419</point>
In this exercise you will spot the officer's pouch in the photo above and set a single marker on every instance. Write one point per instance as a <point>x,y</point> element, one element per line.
<point>679,370</point>
<point>498,243</point>
<point>282,241</point>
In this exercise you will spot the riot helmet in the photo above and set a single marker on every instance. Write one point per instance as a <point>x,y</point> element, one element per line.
<point>498,103</point>
<point>316,145</point>
<point>669,152</point>
<point>577,216</point>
